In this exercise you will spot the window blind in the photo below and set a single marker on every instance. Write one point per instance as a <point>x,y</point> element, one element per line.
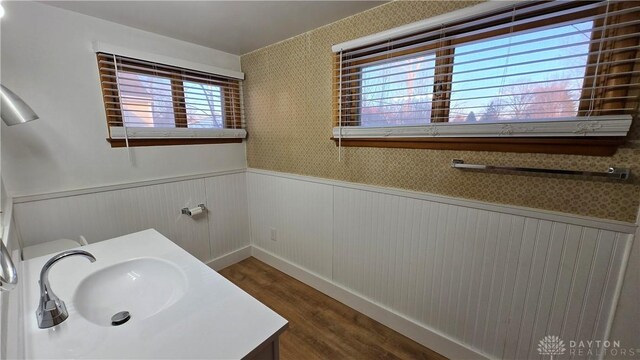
<point>565,66</point>
<point>149,100</point>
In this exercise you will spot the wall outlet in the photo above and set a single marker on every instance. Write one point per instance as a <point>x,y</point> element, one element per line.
<point>274,234</point>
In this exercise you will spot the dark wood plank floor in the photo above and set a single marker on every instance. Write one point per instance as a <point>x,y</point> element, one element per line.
<point>319,326</point>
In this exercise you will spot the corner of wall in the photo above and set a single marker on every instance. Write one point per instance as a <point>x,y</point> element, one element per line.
<point>626,321</point>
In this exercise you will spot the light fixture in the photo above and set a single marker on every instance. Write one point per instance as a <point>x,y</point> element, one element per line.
<point>1,11</point>
<point>14,110</point>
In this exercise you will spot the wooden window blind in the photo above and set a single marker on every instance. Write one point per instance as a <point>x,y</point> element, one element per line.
<point>552,69</point>
<point>148,103</point>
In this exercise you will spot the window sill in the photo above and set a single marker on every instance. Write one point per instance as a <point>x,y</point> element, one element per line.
<point>596,135</point>
<point>592,146</point>
<point>173,136</point>
<point>119,143</point>
<point>118,132</point>
<point>615,125</point>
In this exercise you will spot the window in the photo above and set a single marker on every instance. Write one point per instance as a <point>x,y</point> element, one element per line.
<point>556,73</point>
<point>395,93</point>
<point>533,75</point>
<point>154,104</point>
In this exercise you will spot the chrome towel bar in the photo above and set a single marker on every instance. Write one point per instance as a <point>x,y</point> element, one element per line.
<point>611,173</point>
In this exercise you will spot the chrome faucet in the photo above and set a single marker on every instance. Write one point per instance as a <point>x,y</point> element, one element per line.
<point>51,310</point>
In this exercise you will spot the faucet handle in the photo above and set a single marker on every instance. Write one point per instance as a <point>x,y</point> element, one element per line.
<point>50,305</point>
<point>51,313</point>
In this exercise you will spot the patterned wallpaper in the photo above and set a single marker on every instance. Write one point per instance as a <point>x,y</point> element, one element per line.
<point>288,109</point>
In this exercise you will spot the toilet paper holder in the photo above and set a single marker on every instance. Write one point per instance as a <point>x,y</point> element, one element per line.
<point>190,212</point>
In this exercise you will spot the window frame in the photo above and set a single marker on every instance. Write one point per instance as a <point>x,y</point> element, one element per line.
<point>443,73</point>
<point>231,107</point>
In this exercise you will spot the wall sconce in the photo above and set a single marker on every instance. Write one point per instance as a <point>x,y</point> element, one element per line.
<point>13,110</point>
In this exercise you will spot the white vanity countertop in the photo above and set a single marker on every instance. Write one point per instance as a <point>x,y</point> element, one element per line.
<point>214,319</point>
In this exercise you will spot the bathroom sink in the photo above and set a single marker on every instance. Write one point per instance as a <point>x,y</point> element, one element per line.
<point>179,307</point>
<point>143,287</point>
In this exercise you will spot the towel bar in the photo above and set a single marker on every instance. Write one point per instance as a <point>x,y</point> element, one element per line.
<point>611,173</point>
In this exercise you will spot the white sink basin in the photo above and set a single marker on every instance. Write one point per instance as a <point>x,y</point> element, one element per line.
<point>180,308</point>
<point>143,287</point>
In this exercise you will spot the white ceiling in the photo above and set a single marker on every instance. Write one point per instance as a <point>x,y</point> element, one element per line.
<point>236,27</point>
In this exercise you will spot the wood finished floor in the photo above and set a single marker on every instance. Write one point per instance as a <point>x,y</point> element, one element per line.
<point>319,326</point>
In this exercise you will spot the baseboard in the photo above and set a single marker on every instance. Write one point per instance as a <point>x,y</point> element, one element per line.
<point>231,258</point>
<point>428,337</point>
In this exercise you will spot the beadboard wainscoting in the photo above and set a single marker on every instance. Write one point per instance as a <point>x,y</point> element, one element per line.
<point>468,279</point>
<point>103,213</point>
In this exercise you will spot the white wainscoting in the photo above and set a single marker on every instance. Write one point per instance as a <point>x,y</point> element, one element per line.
<point>109,212</point>
<point>228,213</point>
<point>300,213</point>
<point>493,279</point>
<point>466,278</point>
